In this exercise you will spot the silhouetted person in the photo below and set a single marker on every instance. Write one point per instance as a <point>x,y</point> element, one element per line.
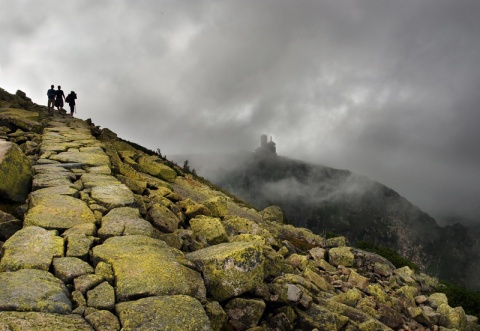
<point>60,98</point>
<point>71,101</point>
<point>51,93</point>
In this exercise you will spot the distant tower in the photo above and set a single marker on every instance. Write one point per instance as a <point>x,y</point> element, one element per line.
<point>267,147</point>
<point>263,141</point>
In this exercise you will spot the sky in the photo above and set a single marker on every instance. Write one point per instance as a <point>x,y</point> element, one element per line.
<point>384,88</point>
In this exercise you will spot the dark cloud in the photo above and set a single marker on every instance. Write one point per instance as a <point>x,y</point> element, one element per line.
<point>387,89</point>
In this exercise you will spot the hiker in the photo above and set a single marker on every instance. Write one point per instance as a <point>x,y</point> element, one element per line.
<point>70,99</point>
<point>51,98</point>
<point>60,97</point>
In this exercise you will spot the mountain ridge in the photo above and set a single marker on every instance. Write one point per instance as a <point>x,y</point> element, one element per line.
<point>322,199</point>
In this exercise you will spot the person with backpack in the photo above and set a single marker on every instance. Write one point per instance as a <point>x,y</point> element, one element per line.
<point>51,98</point>
<point>59,99</point>
<point>70,99</point>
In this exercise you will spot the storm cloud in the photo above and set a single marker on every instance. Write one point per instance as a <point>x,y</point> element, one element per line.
<point>387,89</point>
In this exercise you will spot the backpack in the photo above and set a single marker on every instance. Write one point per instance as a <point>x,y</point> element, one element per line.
<point>68,98</point>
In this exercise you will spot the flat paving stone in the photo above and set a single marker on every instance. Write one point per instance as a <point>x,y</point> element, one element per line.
<point>33,321</point>
<point>33,290</point>
<point>59,212</point>
<point>31,248</point>
<point>113,196</point>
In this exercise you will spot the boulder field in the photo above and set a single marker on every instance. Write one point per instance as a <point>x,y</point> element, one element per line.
<point>111,236</point>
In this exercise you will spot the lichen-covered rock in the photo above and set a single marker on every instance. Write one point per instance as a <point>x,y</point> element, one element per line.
<point>217,206</point>
<point>357,280</point>
<point>8,225</point>
<point>216,315</point>
<point>48,180</point>
<point>103,320</point>
<point>31,248</point>
<point>437,299</point>
<point>230,269</point>
<point>90,180</point>
<point>152,166</point>
<point>58,212</point>
<point>163,218</point>
<point>301,238</point>
<point>86,282</point>
<point>78,245</point>
<point>124,221</point>
<point>90,159</point>
<point>321,318</point>
<point>349,298</point>
<point>341,256</point>
<point>452,318</point>
<point>192,209</point>
<point>87,229</point>
<point>237,225</point>
<point>25,120</point>
<point>67,268</point>
<point>407,295</point>
<point>419,315</point>
<point>15,172</point>
<point>137,186</point>
<point>273,214</point>
<point>210,229</point>
<point>33,321</point>
<point>33,290</point>
<point>105,270</point>
<point>113,196</point>
<point>244,313</point>
<point>61,189</point>
<point>317,280</point>
<point>173,313</point>
<point>373,325</point>
<point>336,242</point>
<point>101,297</point>
<point>405,275</point>
<point>144,266</point>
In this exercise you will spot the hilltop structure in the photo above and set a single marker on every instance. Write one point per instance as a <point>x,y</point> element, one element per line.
<point>267,147</point>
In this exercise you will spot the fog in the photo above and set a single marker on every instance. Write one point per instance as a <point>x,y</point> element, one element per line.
<point>387,89</point>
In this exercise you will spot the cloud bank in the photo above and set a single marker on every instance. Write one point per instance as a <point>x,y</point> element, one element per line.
<point>384,88</point>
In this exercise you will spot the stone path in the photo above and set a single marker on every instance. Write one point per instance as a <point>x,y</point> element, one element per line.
<point>85,255</point>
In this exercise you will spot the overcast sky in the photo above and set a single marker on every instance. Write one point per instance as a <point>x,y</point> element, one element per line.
<point>385,88</point>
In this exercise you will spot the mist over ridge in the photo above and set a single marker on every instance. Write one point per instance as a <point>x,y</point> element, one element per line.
<point>328,200</point>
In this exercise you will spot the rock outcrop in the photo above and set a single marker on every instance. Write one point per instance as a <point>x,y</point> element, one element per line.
<point>115,237</point>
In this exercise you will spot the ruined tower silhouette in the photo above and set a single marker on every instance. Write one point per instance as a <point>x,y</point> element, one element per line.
<point>267,147</point>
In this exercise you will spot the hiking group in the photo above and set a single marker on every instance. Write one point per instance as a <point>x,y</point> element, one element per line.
<point>56,98</point>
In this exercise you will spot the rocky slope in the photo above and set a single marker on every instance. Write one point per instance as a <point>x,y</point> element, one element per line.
<point>327,200</point>
<point>101,234</point>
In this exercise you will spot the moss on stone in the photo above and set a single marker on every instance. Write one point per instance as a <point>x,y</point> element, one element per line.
<point>210,229</point>
<point>230,269</point>
<point>173,313</point>
<point>59,212</point>
<point>33,321</point>
<point>341,256</point>
<point>15,172</point>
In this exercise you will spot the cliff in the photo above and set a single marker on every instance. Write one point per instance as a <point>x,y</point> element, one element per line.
<point>102,234</point>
